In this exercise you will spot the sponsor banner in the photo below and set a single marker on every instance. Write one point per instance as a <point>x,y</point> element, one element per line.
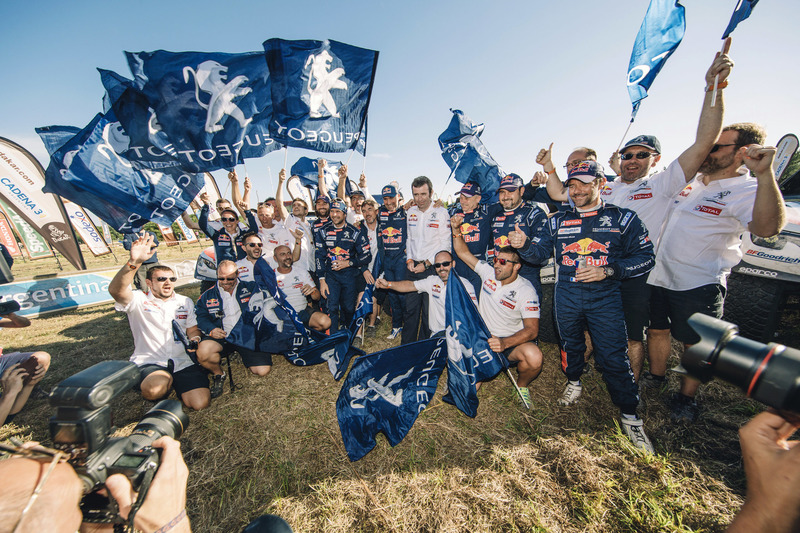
<point>188,233</point>
<point>106,233</point>
<point>35,244</point>
<point>8,239</point>
<point>86,229</point>
<point>62,293</point>
<point>169,235</point>
<point>21,182</point>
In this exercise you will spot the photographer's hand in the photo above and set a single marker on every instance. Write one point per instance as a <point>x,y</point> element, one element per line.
<point>166,501</point>
<point>772,466</point>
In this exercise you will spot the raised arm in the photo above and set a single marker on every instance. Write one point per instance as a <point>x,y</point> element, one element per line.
<point>236,196</point>
<point>769,216</point>
<point>555,189</point>
<point>282,211</point>
<point>142,249</point>
<point>321,185</point>
<point>342,190</point>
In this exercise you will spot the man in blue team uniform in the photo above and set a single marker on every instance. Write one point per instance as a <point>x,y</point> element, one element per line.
<point>227,240</point>
<point>476,230</point>
<point>596,245</point>
<point>392,237</point>
<point>342,254</point>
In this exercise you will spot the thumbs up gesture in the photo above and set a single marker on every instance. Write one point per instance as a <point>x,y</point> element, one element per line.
<point>517,237</point>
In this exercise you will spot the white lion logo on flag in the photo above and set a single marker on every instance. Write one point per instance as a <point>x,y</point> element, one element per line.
<point>321,80</point>
<point>210,78</point>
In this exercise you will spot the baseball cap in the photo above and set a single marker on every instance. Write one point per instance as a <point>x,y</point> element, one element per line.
<point>389,191</point>
<point>339,204</point>
<point>321,196</point>
<point>647,141</point>
<point>586,171</point>
<point>471,189</point>
<point>511,182</point>
<point>356,192</point>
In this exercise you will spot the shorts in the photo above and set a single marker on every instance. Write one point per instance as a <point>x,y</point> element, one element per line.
<point>507,352</point>
<point>304,316</point>
<point>671,309</point>
<point>249,357</point>
<point>636,306</point>
<point>10,359</point>
<point>185,380</point>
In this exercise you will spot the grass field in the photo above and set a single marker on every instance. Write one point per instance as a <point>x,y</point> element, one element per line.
<point>274,446</point>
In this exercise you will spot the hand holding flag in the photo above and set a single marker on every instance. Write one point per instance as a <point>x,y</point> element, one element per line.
<point>720,68</point>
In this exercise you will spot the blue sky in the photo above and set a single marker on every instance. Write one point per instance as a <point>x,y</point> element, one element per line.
<point>534,72</point>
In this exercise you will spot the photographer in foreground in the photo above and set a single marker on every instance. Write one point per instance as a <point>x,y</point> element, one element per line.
<point>19,372</point>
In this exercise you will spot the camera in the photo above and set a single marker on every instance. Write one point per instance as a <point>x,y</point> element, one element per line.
<point>8,307</point>
<point>769,373</point>
<point>82,429</point>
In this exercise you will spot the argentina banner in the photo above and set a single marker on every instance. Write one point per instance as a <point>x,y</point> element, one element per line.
<point>385,392</point>
<point>214,108</point>
<point>320,93</point>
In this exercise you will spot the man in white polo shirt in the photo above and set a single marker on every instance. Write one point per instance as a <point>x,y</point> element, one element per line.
<point>435,287</point>
<point>508,305</point>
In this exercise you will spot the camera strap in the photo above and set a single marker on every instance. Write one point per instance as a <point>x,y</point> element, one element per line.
<point>147,478</point>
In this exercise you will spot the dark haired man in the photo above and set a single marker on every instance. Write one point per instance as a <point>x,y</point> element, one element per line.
<point>228,240</point>
<point>392,240</point>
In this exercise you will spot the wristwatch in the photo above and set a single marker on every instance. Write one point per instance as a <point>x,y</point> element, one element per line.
<point>608,271</point>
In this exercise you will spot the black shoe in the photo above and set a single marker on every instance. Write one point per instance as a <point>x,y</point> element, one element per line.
<point>683,409</point>
<point>217,385</point>
<point>370,332</point>
<point>648,382</point>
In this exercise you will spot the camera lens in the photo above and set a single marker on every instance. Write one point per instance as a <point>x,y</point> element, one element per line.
<point>166,418</point>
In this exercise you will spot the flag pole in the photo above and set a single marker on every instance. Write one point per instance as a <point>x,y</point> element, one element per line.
<point>285,156</point>
<point>519,391</point>
<point>625,134</point>
<point>726,46</point>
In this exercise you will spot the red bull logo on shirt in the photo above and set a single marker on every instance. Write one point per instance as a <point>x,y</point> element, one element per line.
<point>502,241</point>
<point>392,235</point>
<point>585,247</point>
<point>338,253</point>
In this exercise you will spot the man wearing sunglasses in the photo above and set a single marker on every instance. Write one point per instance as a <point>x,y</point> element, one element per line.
<point>508,305</point>
<point>701,241</point>
<point>162,360</point>
<point>435,287</point>
<point>254,250</point>
<point>596,245</point>
<point>228,240</point>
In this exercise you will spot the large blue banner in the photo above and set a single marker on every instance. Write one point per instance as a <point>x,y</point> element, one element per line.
<point>89,171</point>
<point>466,155</point>
<point>215,108</point>
<point>742,11</point>
<point>659,36</point>
<point>469,358</point>
<point>385,392</point>
<point>320,93</point>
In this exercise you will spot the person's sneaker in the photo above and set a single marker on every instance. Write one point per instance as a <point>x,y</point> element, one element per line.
<point>358,341</point>
<point>649,382</point>
<point>525,397</point>
<point>683,409</point>
<point>217,384</point>
<point>393,335</point>
<point>634,430</point>
<point>370,332</point>
<point>571,394</point>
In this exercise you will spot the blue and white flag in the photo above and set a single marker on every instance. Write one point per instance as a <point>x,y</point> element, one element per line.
<point>148,145</point>
<point>89,171</point>
<point>320,93</point>
<point>466,155</point>
<point>215,108</point>
<point>469,358</point>
<point>742,11</point>
<point>659,36</point>
<point>307,170</point>
<point>385,392</point>
<point>54,137</point>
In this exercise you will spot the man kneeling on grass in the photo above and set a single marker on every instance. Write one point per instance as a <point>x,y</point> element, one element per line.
<point>162,361</point>
<point>218,311</point>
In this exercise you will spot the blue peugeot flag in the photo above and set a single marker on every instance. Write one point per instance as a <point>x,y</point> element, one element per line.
<point>307,170</point>
<point>460,127</point>
<point>466,155</point>
<point>742,11</point>
<point>469,358</point>
<point>320,93</point>
<point>659,36</point>
<point>385,392</point>
<point>89,171</point>
<point>215,108</point>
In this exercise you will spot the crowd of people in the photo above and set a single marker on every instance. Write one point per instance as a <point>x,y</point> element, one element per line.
<point>635,256</point>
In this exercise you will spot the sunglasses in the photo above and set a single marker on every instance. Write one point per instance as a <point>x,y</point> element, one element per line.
<point>502,261</point>
<point>227,219</point>
<point>442,264</point>
<point>718,146</point>
<point>637,155</point>
<point>254,244</point>
<point>162,279</point>
<point>234,278</point>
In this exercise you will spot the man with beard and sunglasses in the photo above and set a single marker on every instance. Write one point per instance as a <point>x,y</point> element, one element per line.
<point>435,287</point>
<point>162,360</point>
<point>701,241</point>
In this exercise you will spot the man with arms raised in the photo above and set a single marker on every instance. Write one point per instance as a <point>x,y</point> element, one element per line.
<point>701,240</point>
<point>435,287</point>
<point>596,245</point>
<point>218,310</point>
<point>298,286</point>
<point>294,221</point>
<point>508,305</point>
<point>162,361</point>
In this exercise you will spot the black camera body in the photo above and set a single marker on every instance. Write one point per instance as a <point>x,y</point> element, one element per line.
<point>82,429</point>
<point>769,373</point>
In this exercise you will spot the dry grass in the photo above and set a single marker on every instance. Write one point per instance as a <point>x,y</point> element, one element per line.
<point>274,446</point>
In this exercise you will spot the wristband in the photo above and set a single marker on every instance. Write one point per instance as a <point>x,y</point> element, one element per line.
<point>550,172</point>
<point>172,523</point>
<point>132,266</point>
<point>710,88</point>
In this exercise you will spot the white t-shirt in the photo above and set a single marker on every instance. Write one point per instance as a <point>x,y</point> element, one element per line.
<point>230,306</point>
<point>503,307</point>
<point>151,319</point>
<point>437,289</point>
<point>428,233</point>
<point>372,235</point>
<point>292,284</point>
<point>273,237</point>
<point>650,197</point>
<point>702,237</point>
<point>306,261</point>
